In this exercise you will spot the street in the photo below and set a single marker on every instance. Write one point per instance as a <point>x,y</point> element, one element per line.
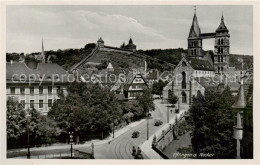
<point>121,147</point>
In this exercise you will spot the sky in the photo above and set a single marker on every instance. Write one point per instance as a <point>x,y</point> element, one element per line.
<point>151,27</point>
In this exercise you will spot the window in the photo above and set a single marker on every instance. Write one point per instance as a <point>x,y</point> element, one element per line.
<point>31,103</point>
<point>195,52</point>
<point>191,52</point>
<point>184,64</point>
<point>23,103</point>
<point>221,58</point>
<point>49,102</point>
<point>22,90</point>
<point>49,90</point>
<point>40,103</point>
<point>222,41</point>
<point>184,97</point>
<point>31,90</point>
<point>40,90</point>
<point>58,89</point>
<point>12,90</point>
<point>183,80</point>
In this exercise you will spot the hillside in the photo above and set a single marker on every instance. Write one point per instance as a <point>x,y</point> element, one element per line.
<point>155,58</point>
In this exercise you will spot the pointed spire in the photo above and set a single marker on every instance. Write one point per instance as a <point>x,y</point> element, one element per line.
<point>195,29</point>
<point>241,100</point>
<point>43,55</point>
<point>222,27</point>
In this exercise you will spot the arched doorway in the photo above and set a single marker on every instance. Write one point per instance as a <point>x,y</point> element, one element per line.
<point>184,97</point>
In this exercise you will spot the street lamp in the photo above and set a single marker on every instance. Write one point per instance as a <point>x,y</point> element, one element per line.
<point>28,136</point>
<point>71,142</point>
<point>167,113</point>
<point>147,124</point>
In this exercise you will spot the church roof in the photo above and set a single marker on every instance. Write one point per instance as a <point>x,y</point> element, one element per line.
<point>199,64</point>
<point>222,27</point>
<point>194,29</point>
<point>241,100</point>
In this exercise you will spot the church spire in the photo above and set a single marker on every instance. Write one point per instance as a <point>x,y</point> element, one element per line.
<point>43,56</point>
<point>195,29</point>
<point>222,27</point>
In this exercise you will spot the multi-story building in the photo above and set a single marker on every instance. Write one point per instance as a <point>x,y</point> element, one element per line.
<point>36,87</point>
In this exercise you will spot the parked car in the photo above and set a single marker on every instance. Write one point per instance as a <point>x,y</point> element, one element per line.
<point>158,122</point>
<point>135,134</point>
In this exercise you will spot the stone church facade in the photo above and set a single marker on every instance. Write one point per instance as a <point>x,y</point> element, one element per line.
<point>197,69</point>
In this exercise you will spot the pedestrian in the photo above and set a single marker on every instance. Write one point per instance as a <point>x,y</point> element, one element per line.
<point>138,151</point>
<point>134,151</point>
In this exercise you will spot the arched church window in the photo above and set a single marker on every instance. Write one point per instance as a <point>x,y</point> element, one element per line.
<point>184,64</point>
<point>191,52</point>
<point>195,52</point>
<point>183,80</point>
<point>218,58</point>
<point>218,50</point>
<point>218,41</point>
<point>184,97</point>
<point>221,58</point>
<point>222,69</point>
<point>222,41</point>
<point>218,69</point>
<point>221,50</point>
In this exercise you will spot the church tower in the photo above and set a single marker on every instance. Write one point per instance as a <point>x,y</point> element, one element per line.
<point>194,39</point>
<point>221,52</point>
<point>42,53</point>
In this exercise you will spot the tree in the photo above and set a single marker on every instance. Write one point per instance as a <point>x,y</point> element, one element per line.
<point>41,129</point>
<point>157,87</point>
<point>15,119</point>
<point>87,110</point>
<point>145,100</point>
<point>212,124</point>
<point>172,98</point>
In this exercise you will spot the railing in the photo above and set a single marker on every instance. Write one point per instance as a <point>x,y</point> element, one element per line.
<point>167,136</point>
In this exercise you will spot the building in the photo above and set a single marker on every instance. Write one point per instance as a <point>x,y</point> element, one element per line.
<point>37,86</point>
<point>199,70</point>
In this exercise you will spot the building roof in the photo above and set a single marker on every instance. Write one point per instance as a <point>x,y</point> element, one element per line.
<point>194,29</point>
<point>200,64</point>
<point>207,82</point>
<point>100,40</point>
<point>222,27</point>
<point>44,72</point>
<point>241,99</point>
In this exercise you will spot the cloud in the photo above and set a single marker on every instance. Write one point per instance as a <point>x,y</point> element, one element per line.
<point>31,24</point>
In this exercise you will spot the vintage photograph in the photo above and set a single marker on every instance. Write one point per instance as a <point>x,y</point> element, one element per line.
<point>129,82</point>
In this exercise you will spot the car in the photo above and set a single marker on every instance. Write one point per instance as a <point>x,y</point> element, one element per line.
<point>135,134</point>
<point>158,122</point>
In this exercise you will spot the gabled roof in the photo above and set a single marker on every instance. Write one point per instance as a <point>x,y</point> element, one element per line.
<point>222,27</point>
<point>194,29</point>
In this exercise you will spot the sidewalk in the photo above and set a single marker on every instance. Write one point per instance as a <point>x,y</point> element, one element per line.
<point>146,147</point>
<point>86,144</point>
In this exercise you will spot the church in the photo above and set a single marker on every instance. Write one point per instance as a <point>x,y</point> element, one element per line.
<point>199,70</point>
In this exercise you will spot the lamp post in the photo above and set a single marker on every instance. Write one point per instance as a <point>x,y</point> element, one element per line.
<point>167,113</point>
<point>28,137</point>
<point>71,143</point>
<point>147,124</point>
